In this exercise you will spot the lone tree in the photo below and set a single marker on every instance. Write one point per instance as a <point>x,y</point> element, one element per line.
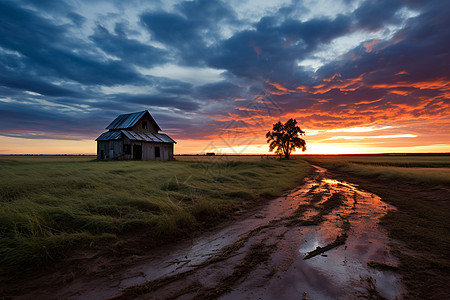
<point>285,138</point>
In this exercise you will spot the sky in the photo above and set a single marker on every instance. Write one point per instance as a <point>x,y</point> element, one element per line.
<point>359,76</point>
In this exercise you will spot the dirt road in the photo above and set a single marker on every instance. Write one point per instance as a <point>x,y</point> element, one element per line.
<point>320,241</point>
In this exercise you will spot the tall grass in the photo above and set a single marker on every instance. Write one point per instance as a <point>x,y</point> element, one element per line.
<point>50,205</point>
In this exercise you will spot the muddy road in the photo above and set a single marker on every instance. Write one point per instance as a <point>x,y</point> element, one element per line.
<point>319,241</point>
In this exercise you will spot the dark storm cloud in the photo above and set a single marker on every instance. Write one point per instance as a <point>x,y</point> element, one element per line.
<point>49,48</point>
<point>273,50</point>
<point>56,53</point>
<point>206,12</point>
<point>417,53</point>
<point>219,91</point>
<point>15,76</point>
<point>315,31</point>
<point>373,15</point>
<point>171,29</point>
<point>166,101</point>
<point>189,28</point>
<point>38,86</point>
<point>129,50</point>
<point>19,120</point>
<point>78,20</point>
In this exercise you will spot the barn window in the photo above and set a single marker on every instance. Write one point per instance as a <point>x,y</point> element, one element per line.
<point>127,148</point>
<point>157,152</point>
<point>144,125</point>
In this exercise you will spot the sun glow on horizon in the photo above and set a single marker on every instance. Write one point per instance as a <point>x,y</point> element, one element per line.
<point>359,129</point>
<point>315,148</point>
<point>371,139</point>
<point>392,136</point>
<point>11,145</point>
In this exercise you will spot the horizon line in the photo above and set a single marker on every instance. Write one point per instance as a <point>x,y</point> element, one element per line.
<point>253,154</point>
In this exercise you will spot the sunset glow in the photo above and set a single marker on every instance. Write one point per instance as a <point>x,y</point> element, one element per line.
<point>363,77</point>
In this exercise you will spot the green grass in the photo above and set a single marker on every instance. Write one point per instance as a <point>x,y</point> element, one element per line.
<point>420,222</point>
<point>52,205</point>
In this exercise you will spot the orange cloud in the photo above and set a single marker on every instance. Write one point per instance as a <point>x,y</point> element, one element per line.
<point>440,83</point>
<point>303,88</point>
<point>337,75</point>
<point>368,102</point>
<point>400,92</point>
<point>401,102</point>
<point>281,90</point>
<point>335,82</point>
<point>401,73</point>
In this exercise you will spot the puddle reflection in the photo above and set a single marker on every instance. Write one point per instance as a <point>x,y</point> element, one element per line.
<point>367,241</point>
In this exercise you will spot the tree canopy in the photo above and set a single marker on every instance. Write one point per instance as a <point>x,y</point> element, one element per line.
<point>285,138</point>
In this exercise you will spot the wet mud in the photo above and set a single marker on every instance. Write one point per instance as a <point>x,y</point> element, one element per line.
<point>319,241</point>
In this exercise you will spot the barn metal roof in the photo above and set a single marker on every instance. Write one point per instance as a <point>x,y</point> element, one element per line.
<point>110,136</point>
<point>127,121</point>
<point>135,136</point>
<point>147,136</point>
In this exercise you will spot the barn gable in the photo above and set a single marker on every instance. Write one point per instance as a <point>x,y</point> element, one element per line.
<point>129,121</point>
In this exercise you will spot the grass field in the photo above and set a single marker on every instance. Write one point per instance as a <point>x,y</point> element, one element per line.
<point>419,187</point>
<point>51,205</point>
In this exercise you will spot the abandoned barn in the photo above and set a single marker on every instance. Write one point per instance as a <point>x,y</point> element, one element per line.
<point>134,136</point>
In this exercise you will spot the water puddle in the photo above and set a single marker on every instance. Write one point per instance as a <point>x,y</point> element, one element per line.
<point>336,219</point>
<point>341,272</point>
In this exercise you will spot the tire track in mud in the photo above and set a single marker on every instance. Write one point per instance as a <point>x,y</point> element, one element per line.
<point>322,249</point>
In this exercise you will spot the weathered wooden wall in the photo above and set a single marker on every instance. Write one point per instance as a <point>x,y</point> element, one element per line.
<point>115,150</point>
<point>148,151</point>
<point>111,149</point>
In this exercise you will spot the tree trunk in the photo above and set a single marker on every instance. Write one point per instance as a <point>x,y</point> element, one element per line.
<point>286,151</point>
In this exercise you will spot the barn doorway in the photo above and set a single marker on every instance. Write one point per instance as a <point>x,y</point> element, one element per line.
<point>137,152</point>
